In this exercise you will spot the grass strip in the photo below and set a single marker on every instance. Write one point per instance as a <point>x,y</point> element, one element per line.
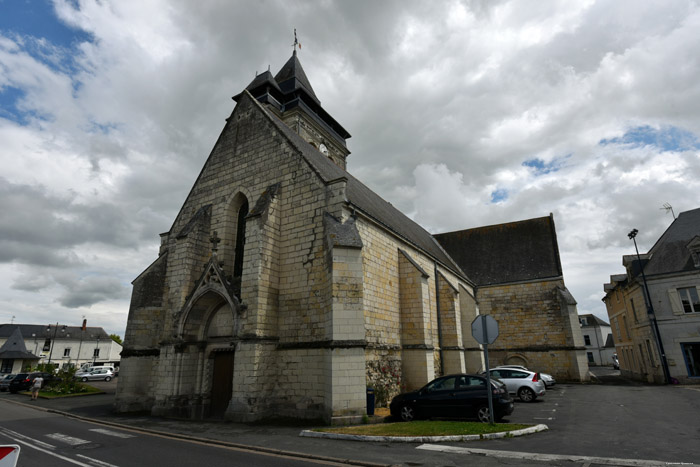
<point>425,428</point>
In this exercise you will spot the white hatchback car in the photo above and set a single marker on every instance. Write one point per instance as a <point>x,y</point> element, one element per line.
<point>97,375</point>
<point>548,379</point>
<point>527,385</point>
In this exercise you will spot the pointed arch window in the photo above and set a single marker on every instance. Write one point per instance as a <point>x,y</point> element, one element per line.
<point>240,241</point>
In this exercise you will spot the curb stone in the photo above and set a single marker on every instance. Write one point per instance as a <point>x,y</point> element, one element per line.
<point>423,439</point>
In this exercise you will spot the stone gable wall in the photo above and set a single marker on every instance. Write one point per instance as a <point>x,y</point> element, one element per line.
<point>535,329</point>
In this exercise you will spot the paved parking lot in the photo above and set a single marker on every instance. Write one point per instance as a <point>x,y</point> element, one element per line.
<point>630,421</point>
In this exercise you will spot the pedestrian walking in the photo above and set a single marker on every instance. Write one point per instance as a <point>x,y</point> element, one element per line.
<point>36,385</point>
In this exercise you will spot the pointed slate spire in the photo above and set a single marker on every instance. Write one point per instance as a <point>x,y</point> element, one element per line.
<point>292,78</point>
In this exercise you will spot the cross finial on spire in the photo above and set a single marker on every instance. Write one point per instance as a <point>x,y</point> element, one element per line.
<point>296,42</point>
<point>214,242</point>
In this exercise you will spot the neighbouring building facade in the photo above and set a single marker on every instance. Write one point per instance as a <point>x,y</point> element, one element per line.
<point>672,271</point>
<point>62,345</point>
<point>519,279</point>
<point>598,339</point>
<point>285,287</point>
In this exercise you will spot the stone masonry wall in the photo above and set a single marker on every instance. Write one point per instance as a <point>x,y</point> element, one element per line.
<point>532,327</point>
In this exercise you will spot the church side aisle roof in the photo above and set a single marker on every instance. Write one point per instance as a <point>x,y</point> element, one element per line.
<point>503,253</point>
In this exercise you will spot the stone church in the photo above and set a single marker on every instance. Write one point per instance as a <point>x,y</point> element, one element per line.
<point>285,287</point>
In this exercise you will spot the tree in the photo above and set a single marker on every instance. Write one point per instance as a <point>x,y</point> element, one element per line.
<point>116,338</point>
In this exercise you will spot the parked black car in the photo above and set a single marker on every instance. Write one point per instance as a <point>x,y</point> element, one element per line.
<point>5,382</point>
<point>23,381</point>
<point>453,396</point>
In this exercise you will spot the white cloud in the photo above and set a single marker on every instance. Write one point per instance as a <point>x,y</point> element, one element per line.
<point>444,104</point>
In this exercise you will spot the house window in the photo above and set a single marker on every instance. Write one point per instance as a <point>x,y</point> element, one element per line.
<point>634,310</point>
<point>627,328</point>
<point>584,321</point>
<point>617,329</point>
<point>689,299</point>
<point>7,364</point>
<point>47,345</point>
<point>587,340</point>
<point>691,354</point>
<point>96,353</point>
<point>66,352</point>
<point>590,357</point>
<point>652,356</point>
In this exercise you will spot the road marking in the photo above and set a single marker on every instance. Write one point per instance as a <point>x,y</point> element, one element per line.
<point>116,434</point>
<point>23,439</point>
<point>14,435</point>
<point>545,457</point>
<point>543,418</point>
<point>96,462</point>
<point>67,439</point>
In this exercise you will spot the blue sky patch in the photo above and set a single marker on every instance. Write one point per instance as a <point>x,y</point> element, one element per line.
<point>666,138</point>
<point>8,103</point>
<point>499,195</point>
<point>37,19</point>
<point>541,167</point>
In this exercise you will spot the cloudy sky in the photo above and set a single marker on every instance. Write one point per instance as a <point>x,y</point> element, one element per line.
<point>463,114</point>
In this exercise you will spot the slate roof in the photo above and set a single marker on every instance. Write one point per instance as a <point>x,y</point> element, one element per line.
<point>14,347</point>
<point>503,253</point>
<point>593,319</point>
<point>364,199</point>
<point>292,78</point>
<point>670,253</point>
<point>39,330</point>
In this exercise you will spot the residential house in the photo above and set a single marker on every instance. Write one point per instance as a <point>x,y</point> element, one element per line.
<point>64,345</point>
<point>598,339</point>
<point>672,271</point>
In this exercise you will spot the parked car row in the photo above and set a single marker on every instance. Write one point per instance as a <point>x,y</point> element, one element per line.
<point>465,396</point>
<point>24,381</point>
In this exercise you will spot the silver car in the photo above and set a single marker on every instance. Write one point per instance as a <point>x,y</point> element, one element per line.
<point>527,385</point>
<point>548,379</point>
<point>97,375</point>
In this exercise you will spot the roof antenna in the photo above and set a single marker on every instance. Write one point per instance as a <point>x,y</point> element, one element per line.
<point>668,207</point>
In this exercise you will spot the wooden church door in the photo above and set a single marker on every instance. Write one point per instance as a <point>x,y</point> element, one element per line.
<point>222,383</point>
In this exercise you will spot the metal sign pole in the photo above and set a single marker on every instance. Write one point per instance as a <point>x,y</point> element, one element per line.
<point>489,389</point>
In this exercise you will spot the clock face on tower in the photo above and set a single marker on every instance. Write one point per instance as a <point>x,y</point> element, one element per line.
<point>323,149</point>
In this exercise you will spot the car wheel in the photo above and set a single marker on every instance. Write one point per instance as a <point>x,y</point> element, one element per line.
<point>108,378</point>
<point>526,394</point>
<point>408,413</point>
<point>83,379</point>
<point>483,414</point>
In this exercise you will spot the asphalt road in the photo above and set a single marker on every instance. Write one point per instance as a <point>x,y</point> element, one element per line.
<point>53,440</point>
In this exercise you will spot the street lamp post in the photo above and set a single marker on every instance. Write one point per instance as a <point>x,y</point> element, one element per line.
<point>53,341</point>
<point>650,310</point>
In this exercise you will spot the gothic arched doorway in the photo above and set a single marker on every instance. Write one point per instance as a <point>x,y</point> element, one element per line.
<point>207,362</point>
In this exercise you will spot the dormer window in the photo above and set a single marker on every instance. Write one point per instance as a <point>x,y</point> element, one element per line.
<point>323,149</point>
<point>694,247</point>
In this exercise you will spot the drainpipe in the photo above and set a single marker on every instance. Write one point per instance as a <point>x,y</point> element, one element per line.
<point>437,303</point>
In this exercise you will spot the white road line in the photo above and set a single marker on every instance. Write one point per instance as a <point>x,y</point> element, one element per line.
<point>67,439</point>
<point>116,434</point>
<point>45,451</point>
<point>96,462</point>
<point>14,435</point>
<point>545,457</point>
